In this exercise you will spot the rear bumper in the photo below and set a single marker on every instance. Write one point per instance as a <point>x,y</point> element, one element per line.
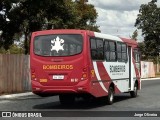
<point>37,88</point>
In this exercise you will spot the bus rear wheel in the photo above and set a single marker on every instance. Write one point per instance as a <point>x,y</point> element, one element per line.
<point>66,99</point>
<point>134,92</point>
<point>110,97</point>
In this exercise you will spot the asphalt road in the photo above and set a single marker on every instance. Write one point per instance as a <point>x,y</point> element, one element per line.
<point>148,100</point>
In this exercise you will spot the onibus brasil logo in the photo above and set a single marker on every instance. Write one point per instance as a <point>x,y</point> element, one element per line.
<point>57,44</point>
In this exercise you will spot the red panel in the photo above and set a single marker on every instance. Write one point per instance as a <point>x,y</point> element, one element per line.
<point>130,42</point>
<point>137,72</point>
<point>96,89</point>
<point>102,71</point>
<point>105,76</point>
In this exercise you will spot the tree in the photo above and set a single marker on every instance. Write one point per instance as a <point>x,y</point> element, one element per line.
<point>8,28</point>
<point>148,20</point>
<point>26,16</point>
<point>135,35</point>
<point>86,16</point>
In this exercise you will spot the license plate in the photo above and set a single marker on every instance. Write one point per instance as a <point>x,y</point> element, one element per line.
<point>58,77</point>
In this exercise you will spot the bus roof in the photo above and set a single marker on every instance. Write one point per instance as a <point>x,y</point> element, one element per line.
<point>129,41</point>
<point>91,33</point>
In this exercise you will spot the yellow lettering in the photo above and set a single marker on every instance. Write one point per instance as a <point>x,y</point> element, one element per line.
<point>51,66</point>
<point>43,80</point>
<point>92,73</point>
<point>71,67</point>
<point>63,67</point>
<point>48,66</point>
<point>57,67</point>
<point>67,67</point>
<point>44,67</point>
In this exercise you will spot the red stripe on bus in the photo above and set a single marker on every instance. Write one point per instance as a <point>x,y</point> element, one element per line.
<point>105,76</point>
<point>137,72</point>
<point>102,71</point>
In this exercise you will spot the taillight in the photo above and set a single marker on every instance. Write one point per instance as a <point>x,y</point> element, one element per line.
<point>33,74</point>
<point>84,74</point>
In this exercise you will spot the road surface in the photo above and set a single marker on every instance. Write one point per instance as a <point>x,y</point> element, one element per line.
<point>148,100</point>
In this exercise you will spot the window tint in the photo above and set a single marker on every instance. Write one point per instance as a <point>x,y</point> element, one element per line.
<point>99,44</point>
<point>124,47</point>
<point>112,46</point>
<point>121,52</point>
<point>58,45</point>
<point>110,51</point>
<point>137,58</point>
<point>93,43</point>
<point>97,49</point>
<point>93,49</point>
<point>136,55</point>
<point>119,47</point>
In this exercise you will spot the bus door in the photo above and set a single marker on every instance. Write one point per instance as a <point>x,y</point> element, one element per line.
<point>137,60</point>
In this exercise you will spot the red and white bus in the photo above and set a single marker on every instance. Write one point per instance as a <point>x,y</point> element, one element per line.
<point>72,63</point>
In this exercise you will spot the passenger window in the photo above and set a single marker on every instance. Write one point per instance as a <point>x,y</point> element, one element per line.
<point>93,44</point>
<point>97,49</point>
<point>137,58</point>
<point>136,55</point>
<point>110,51</point>
<point>93,49</point>
<point>121,52</point>
<point>100,49</point>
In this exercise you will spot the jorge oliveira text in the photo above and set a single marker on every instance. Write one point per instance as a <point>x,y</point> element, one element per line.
<point>145,114</point>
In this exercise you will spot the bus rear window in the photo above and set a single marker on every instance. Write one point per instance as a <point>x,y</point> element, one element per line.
<point>58,45</point>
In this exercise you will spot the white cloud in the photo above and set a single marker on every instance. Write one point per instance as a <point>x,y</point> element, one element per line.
<point>117,17</point>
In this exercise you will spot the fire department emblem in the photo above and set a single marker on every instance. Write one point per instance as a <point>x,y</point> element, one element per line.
<point>57,44</point>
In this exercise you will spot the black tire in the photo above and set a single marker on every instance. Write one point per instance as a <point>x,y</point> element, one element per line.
<point>110,97</point>
<point>66,99</point>
<point>135,91</point>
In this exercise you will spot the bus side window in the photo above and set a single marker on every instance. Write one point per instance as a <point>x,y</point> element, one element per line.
<point>106,50</point>
<point>121,52</point>
<point>112,47</point>
<point>100,55</point>
<point>110,51</point>
<point>93,49</point>
<point>124,52</point>
<point>136,55</point>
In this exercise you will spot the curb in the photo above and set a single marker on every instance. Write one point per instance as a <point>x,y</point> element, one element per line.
<point>9,96</point>
<point>143,79</point>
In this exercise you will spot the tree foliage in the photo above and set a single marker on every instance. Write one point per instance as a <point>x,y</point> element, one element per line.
<point>21,17</point>
<point>135,35</point>
<point>8,27</point>
<point>148,20</point>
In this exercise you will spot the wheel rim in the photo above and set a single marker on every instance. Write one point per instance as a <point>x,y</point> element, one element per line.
<point>111,97</point>
<point>135,90</point>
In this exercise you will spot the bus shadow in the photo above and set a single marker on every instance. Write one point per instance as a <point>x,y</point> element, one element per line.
<point>80,104</point>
